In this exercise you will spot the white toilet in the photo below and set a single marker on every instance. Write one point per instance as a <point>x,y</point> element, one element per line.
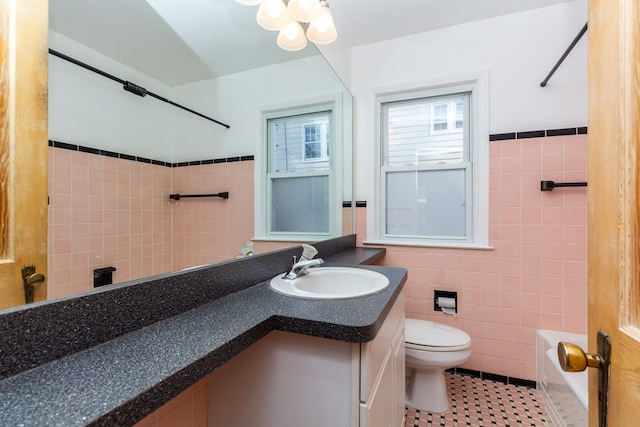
<point>430,349</point>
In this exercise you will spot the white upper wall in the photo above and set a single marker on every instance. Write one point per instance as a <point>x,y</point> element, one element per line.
<point>242,96</point>
<point>516,50</point>
<point>88,109</point>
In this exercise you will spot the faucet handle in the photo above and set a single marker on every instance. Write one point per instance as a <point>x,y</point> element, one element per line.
<point>308,252</point>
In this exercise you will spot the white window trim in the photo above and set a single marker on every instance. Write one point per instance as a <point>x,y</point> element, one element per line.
<point>478,85</point>
<point>261,188</point>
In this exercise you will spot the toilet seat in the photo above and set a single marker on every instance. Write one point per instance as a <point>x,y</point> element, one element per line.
<point>432,336</point>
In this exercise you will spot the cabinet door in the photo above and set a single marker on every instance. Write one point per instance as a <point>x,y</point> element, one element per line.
<point>398,392</point>
<point>379,410</point>
<point>376,352</point>
<point>383,373</point>
<point>385,407</point>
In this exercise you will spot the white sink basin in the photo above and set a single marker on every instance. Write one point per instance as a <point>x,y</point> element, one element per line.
<point>332,283</point>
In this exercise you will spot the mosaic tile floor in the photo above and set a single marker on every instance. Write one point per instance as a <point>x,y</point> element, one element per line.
<point>476,402</point>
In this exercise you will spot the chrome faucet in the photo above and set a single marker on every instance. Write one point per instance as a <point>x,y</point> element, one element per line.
<point>306,261</point>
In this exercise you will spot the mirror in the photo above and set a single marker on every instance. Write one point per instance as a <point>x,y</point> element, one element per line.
<point>115,157</point>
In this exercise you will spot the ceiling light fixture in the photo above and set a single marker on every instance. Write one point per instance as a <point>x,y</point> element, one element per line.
<point>274,15</point>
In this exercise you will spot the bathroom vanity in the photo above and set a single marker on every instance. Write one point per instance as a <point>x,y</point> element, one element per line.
<point>288,379</point>
<point>113,356</point>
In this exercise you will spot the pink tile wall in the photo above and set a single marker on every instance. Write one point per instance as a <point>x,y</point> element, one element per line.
<point>105,212</point>
<point>212,229</point>
<point>113,212</point>
<point>534,278</point>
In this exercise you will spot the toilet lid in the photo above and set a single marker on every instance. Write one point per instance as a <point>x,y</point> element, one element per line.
<point>432,334</point>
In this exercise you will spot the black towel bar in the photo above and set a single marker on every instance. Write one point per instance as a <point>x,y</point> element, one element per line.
<point>550,185</point>
<point>223,195</point>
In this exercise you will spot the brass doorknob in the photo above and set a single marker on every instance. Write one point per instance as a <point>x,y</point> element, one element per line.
<point>573,359</point>
<point>31,280</point>
<point>35,279</point>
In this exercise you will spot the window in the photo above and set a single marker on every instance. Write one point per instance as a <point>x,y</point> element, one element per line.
<point>315,142</point>
<point>433,167</point>
<point>296,193</point>
<point>439,113</point>
<point>447,116</point>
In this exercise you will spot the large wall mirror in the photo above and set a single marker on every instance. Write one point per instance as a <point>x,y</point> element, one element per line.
<point>115,157</point>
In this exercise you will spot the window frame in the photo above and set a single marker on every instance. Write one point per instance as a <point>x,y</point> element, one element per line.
<point>464,164</point>
<point>477,85</point>
<point>262,176</point>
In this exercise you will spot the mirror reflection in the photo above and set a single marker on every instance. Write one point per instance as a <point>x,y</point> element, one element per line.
<point>115,157</point>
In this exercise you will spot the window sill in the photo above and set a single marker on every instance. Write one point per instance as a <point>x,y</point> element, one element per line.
<point>298,238</point>
<point>444,245</point>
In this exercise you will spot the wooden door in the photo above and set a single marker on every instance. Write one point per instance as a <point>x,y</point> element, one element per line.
<point>614,214</point>
<point>23,145</point>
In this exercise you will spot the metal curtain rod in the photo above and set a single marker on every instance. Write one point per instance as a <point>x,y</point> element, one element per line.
<point>223,195</point>
<point>564,55</point>
<point>131,87</point>
<point>550,185</point>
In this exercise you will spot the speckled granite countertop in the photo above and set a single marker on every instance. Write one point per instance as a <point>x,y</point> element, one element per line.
<point>121,380</point>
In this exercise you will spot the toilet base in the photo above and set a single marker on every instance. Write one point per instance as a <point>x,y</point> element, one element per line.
<point>426,390</point>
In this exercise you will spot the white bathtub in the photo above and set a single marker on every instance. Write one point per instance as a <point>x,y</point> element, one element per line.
<point>566,395</point>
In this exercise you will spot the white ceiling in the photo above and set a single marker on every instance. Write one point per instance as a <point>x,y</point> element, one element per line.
<point>200,39</point>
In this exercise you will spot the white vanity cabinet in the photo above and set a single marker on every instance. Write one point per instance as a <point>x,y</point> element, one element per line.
<point>288,379</point>
<point>382,373</point>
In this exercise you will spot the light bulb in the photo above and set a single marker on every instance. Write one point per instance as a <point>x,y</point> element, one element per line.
<point>304,10</point>
<point>273,11</point>
<point>322,30</point>
<point>290,31</point>
<point>292,37</point>
<point>272,15</point>
<point>322,23</point>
